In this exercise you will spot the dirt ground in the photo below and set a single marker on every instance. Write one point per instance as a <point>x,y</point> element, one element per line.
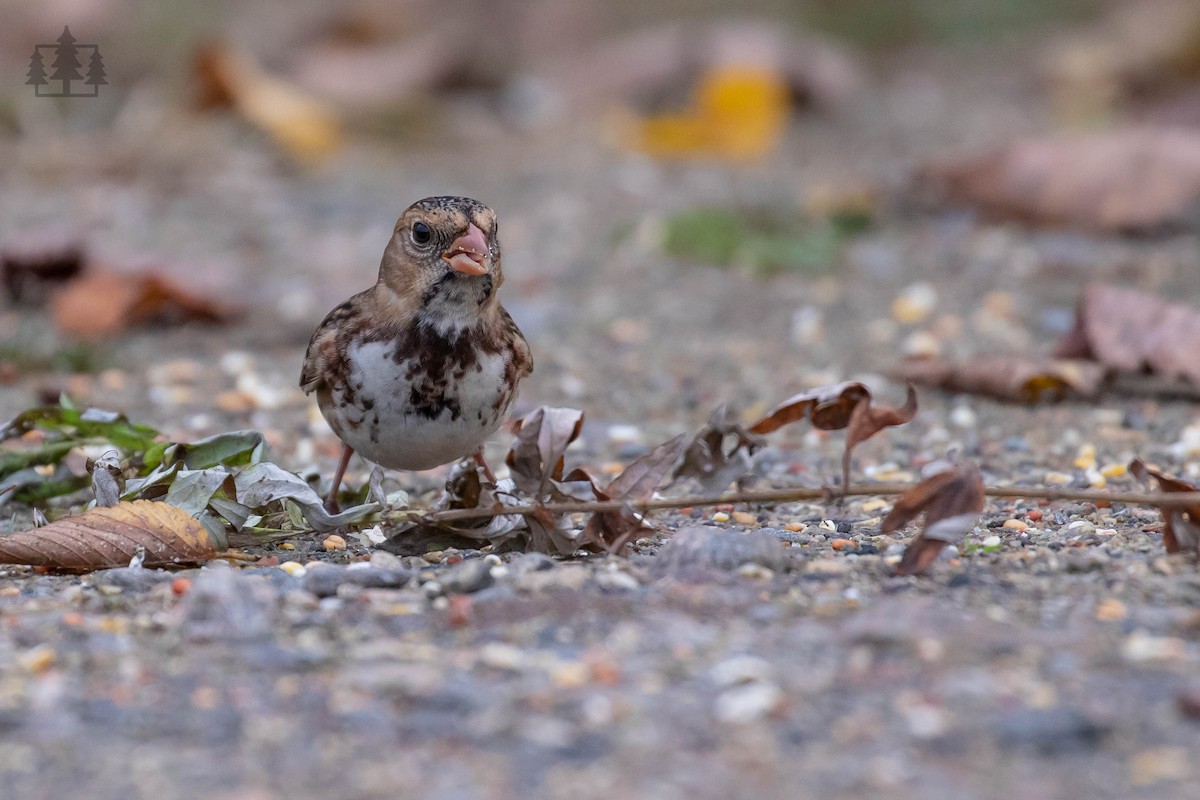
<point>1059,662</point>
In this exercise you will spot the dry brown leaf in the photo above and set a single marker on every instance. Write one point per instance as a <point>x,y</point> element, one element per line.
<point>1130,331</point>
<point>112,537</point>
<point>826,407</point>
<point>106,304</point>
<point>542,438</point>
<point>1005,376</point>
<point>951,500</point>
<point>1181,526</point>
<point>301,124</point>
<point>1127,180</point>
<point>868,419</point>
<point>711,459</point>
<point>637,482</point>
<point>30,265</point>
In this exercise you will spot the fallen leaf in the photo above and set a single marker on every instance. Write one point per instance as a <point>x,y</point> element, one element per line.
<point>951,500</point>
<point>719,453</point>
<point>1131,331</point>
<point>826,407</point>
<point>868,419</point>
<point>1140,179</point>
<point>30,267</point>
<point>637,482</point>
<point>1007,376</point>
<point>112,537</point>
<point>105,304</point>
<point>1181,526</point>
<point>537,453</point>
<point>304,126</point>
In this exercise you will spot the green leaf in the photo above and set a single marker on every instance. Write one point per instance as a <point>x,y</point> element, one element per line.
<point>224,449</point>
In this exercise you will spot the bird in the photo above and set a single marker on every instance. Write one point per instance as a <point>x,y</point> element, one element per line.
<point>421,368</point>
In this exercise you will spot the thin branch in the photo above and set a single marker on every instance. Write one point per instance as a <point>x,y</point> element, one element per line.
<point>769,496</point>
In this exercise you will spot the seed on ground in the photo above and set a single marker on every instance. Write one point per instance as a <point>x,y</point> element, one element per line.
<point>744,518</point>
<point>334,542</point>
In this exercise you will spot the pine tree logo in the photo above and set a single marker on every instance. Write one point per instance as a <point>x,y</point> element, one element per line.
<point>65,68</point>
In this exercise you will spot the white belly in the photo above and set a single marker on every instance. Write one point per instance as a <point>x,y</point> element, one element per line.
<point>389,416</point>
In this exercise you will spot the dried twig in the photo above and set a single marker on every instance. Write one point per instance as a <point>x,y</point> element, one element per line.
<point>770,496</point>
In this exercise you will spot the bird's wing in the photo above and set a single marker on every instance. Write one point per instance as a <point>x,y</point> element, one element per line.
<point>322,353</point>
<point>522,357</point>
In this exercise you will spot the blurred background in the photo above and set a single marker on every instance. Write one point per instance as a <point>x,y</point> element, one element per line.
<point>695,208</point>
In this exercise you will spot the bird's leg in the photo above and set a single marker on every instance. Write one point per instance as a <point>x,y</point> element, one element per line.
<point>487,471</point>
<point>331,503</point>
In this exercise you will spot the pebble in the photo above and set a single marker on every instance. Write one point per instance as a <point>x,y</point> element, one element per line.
<point>1158,764</point>
<point>38,659</point>
<point>467,577</point>
<point>914,303</point>
<point>991,542</point>
<point>1111,609</point>
<point>746,703</point>
<point>700,547</point>
<point>334,542</point>
<point>843,544</point>
<point>1141,646</point>
<point>794,527</point>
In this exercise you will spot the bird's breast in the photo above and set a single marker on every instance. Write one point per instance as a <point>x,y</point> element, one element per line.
<point>408,406</point>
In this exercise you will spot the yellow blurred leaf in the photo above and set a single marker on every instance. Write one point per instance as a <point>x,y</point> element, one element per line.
<point>737,113</point>
<point>301,124</point>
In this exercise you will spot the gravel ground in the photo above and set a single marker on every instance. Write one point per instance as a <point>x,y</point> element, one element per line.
<point>761,652</point>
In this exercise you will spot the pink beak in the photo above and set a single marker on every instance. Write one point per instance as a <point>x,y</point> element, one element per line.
<point>469,253</point>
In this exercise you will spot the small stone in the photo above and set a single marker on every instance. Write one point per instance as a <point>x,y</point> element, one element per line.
<point>991,542</point>
<point>914,303</point>
<point>794,527</point>
<point>1034,515</point>
<point>744,518</point>
<point>294,568</point>
<point>1015,525</point>
<point>1141,646</point>
<point>1111,610</point>
<point>181,586</point>
<point>38,660</point>
<point>334,542</point>
<point>843,544</point>
<point>433,556</point>
<point>1114,470</point>
<point>1158,764</point>
<point>468,577</point>
<point>747,702</point>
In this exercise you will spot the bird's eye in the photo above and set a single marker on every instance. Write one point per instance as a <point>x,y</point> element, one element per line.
<point>421,233</point>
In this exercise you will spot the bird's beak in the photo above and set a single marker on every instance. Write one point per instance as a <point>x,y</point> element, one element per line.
<point>469,253</point>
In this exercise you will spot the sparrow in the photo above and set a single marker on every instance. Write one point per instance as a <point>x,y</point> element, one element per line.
<point>420,369</point>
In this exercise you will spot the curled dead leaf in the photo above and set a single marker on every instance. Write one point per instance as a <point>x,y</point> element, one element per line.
<point>868,419</point>
<point>112,537</point>
<point>951,500</point>
<point>304,126</point>
<point>105,304</point>
<point>637,482</point>
<point>1132,179</point>
<point>542,438</point>
<point>1181,526</point>
<point>1128,331</point>
<point>719,453</point>
<point>826,407</point>
<point>1005,376</point>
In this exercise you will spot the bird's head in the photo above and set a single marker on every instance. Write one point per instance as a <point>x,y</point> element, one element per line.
<point>444,255</point>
